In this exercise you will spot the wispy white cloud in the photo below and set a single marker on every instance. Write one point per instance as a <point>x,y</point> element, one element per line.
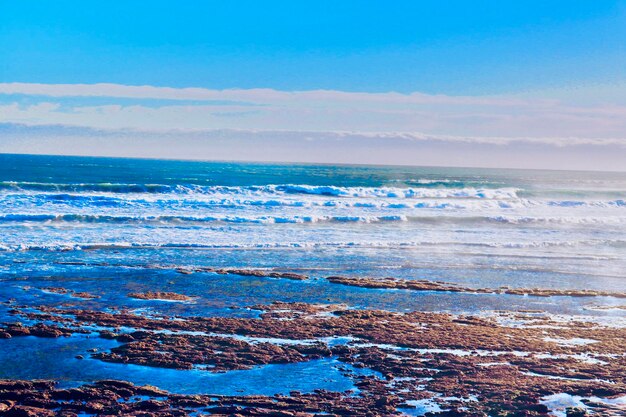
<point>316,110</point>
<point>383,122</point>
<point>253,95</point>
<point>395,148</point>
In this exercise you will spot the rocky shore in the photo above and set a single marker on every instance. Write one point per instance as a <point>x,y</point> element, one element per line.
<point>379,283</point>
<point>119,398</point>
<point>160,295</point>
<point>65,291</point>
<point>465,365</point>
<point>426,285</point>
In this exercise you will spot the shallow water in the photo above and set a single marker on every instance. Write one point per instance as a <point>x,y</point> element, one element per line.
<point>32,357</point>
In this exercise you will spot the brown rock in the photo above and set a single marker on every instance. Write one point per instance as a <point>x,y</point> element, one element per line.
<point>160,295</point>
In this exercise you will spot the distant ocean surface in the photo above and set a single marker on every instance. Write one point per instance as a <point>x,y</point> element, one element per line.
<point>472,226</point>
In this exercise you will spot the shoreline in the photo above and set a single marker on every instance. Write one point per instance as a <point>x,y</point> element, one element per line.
<point>437,357</point>
<point>502,295</point>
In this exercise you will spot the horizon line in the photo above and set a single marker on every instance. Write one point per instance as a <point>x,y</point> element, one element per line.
<point>243,161</point>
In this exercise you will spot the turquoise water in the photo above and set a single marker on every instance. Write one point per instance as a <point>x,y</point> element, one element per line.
<point>468,225</point>
<point>114,226</point>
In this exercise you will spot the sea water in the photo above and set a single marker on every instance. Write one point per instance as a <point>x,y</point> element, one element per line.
<point>113,226</point>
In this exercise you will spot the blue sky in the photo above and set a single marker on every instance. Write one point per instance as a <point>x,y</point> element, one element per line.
<point>447,47</point>
<point>550,73</point>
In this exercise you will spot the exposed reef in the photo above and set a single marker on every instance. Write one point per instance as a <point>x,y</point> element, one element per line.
<point>64,291</point>
<point>160,295</point>
<point>426,285</point>
<point>378,283</point>
<point>119,398</point>
<point>247,272</point>
<point>466,365</point>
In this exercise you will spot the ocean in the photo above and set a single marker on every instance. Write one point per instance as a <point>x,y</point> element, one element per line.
<point>114,226</point>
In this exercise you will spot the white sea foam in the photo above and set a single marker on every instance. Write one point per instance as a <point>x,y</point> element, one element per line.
<point>427,215</point>
<point>28,218</point>
<point>559,403</point>
<point>576,341</point>
<point>280,189</point>
<point>121,244</point>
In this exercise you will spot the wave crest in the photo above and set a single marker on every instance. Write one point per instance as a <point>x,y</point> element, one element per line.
<point>280,189</point>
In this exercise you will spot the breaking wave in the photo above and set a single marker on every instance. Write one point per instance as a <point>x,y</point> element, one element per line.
<point>60,247</point>
<point>173,219</point>
<point>281,189</point>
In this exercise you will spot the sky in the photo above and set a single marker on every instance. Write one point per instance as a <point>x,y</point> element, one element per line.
<point>520,84</point>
